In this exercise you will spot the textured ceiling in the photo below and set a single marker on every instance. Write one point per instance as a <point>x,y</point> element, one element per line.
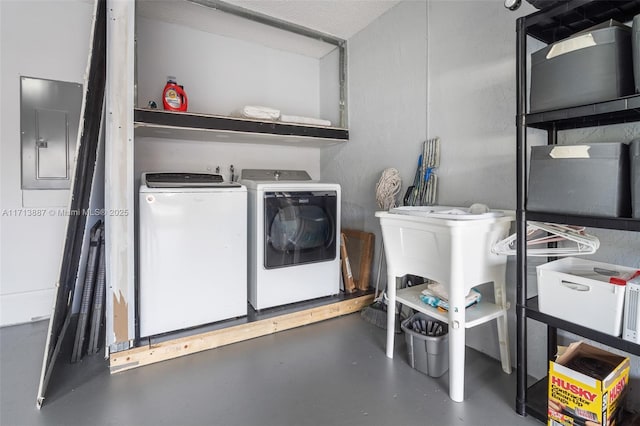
<point>340,18</point>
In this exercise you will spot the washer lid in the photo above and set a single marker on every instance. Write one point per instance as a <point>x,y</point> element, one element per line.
<point>185,180</point>
<point>271,175</point>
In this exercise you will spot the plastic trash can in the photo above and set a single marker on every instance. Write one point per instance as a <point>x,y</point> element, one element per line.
<point>427,344</point>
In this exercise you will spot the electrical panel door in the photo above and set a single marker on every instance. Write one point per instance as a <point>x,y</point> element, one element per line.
<point>49,118</point>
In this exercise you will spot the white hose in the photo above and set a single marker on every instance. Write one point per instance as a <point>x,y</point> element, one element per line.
<point>388,188</point>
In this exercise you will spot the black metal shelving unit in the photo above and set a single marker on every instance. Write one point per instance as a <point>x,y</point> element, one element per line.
<point>550,25</point>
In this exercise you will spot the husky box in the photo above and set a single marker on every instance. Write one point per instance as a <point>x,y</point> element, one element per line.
<point>635,177</point>
<point>584,292</point>
<point>588,179</point>
<point>587,386</point>
<point>594,65</point>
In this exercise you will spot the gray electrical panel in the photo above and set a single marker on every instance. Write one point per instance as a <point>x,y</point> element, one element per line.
<point>49,119</point>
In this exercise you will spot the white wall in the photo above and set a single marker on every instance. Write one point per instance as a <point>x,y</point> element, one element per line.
<point>196,156</point>
<point>221,74</point>
<point>43,39</point>
<point>472,101</point>
<point>330,87</point>
<point>387,111</point>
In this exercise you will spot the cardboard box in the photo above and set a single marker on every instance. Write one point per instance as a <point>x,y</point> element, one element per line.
<point>587,386</point>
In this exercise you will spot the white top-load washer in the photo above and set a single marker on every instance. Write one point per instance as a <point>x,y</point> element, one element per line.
<point>192,251</point>
<point>294,237</point>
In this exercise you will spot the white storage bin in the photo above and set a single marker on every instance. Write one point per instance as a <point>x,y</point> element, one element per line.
<point>580,291</point>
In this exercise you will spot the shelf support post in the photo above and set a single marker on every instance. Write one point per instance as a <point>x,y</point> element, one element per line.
<point>521,220</point>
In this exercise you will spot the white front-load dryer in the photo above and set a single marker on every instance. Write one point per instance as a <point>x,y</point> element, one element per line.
<point>294,237</point>
<point>192,251</point>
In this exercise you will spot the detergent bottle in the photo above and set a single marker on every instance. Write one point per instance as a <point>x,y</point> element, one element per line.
<point>174,97</point>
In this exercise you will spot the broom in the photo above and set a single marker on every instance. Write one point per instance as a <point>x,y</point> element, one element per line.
<point>387,189</point>
<point>376,313</point>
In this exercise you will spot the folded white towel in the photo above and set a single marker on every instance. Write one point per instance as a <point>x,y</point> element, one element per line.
<point>304,120</point>
<point>440,291</point>
<point>258,112</point>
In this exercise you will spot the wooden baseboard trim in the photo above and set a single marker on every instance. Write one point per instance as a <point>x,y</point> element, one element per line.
<point>150,354</point>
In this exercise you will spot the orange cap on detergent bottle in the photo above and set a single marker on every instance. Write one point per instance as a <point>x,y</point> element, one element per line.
<point>174,97</point>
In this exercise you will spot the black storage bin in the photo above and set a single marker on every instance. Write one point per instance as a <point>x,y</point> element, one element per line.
<point>592,66</point>
<point>587,179</point>
<point>635,177</point>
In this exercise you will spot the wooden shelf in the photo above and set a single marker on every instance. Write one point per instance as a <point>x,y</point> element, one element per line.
<point>216,128</point>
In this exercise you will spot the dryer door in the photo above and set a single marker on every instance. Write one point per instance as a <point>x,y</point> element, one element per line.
<point>300,227</point>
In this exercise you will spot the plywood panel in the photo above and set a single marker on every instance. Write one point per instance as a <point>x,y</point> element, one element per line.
<point>359,245</point>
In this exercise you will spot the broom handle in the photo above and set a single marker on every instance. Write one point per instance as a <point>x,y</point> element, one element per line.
<point>375,295</point>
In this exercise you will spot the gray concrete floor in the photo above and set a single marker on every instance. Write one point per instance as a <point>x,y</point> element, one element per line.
<point>330,373</point>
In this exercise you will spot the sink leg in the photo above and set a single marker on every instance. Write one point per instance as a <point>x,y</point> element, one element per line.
<point>457,347</point>
<point>457,331</point>
<point>391,313</point>
<point>499,288</point>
